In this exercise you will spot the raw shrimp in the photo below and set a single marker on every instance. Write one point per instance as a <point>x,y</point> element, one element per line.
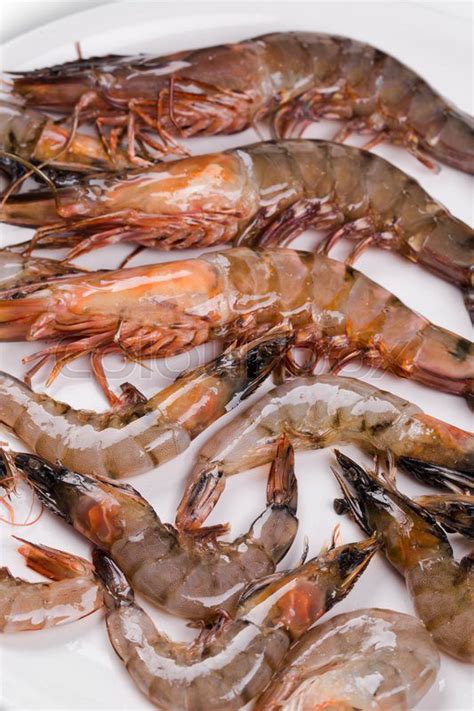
<point>135,438</point>
<point>441,588</point>
<point>294,78</point>
<point>162,309</point>
<point>372,659</point>
<point>322,411</point>
<point>37,139</point>
<point>234,660</point>
<point>74,593</point>
<point>185,574</point>
<point>264,195</point>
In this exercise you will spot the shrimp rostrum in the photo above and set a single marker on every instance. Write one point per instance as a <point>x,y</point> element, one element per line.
<point>232,662</point>
<point>162,309</point>
<point>442,589</point>
<point>294,78</point>
<point>189,575</point>
<point>324,410</point>
<point>367,659</point>
<point>72,592</point>
<point>137,436</point>
<point>264,195</point>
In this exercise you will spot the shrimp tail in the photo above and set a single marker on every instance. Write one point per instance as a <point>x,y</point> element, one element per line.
<point>439,476</point>
<point>117,589</point>
<point>14,172</point>
<point>282,488</point>
<point>44,479</point>
<point>52,563</point>
<point>202,494</point>
<point>366,497</point>
<point>20,274</point>
<point>200,497</point>
<point>455,512</point>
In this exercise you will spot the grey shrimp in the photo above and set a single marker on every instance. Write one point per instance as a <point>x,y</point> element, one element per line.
<point>186,574</point>
<point>442,589</point>
<point>320,411</point>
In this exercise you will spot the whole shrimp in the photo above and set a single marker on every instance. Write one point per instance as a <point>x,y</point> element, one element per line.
<point>30,137</point>
<point>162,309</point>
<point>73,593</point>
<point>184,574</point>
<point>367,659</point>
<point>321,411</point>
<point>294,78</point>
<point>232,662</point>
<point>441,588</point>
<point>263,194</point>
<point>136,437</point>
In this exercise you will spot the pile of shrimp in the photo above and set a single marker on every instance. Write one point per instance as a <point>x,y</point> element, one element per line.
<point>104,136</point>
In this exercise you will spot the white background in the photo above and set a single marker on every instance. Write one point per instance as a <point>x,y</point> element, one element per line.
<point>18,16</point>
<point>74,667</point>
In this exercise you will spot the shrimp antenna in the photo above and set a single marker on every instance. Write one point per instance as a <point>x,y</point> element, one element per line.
<point>31,169</point>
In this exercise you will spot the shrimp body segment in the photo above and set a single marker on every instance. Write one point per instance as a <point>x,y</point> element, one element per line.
<point>161,309</point>
<point>263,194</point>
<point>132,439</point>
<point>321,411</point>
<point>334,665</point>
<point>182,573</point>
<point>441,588</point>
<point>72,593</point>
<point>231,663</point>
<point>294,78</point>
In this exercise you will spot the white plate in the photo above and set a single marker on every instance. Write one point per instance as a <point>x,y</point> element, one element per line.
<point>74,667</point>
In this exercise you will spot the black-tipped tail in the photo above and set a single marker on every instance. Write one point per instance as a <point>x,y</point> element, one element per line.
<point>435,475</point>
<point>282,487</point>
<point>117,588</point>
